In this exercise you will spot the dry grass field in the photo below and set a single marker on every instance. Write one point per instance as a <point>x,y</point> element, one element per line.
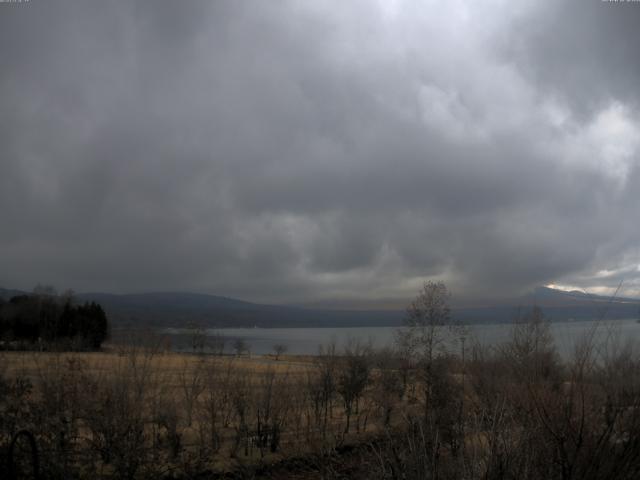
<point>514,411</point>
<point>169,365</point>
<point>143,412</point>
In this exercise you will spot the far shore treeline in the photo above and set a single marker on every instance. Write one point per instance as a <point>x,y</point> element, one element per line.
<point>45,319</point>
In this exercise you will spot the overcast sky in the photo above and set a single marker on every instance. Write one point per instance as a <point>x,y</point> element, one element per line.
<point>302,151</point>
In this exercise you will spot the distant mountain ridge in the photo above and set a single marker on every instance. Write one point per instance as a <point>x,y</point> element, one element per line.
<point>177,309</point>
<point>557,305</point>
<point>6,293</point>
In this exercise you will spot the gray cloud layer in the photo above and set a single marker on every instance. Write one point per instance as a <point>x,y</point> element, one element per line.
<point>299,151</point>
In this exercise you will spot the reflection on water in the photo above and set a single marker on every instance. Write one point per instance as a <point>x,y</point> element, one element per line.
<point>305,341</point>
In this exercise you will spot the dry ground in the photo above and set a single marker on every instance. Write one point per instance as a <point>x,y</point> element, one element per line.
<point>169,364</point>
<point>173,380</point>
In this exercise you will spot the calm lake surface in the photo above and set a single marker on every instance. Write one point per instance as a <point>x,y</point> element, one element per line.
<point>305,341</point>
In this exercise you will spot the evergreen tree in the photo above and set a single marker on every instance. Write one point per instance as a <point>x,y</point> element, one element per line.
<point>54,319</point>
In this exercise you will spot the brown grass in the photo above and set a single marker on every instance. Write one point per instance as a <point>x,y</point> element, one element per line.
<point>159,388</point>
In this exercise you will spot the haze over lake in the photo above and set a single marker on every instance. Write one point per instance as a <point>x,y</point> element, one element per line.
<point>305,341</point>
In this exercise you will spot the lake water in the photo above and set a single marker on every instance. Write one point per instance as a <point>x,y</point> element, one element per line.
<point>305,341</point>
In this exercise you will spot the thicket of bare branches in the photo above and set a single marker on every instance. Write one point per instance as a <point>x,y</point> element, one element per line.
<point>515,410</point>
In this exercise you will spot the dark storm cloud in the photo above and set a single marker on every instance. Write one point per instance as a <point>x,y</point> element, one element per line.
<point>296,151</point>
<point>584,52</point>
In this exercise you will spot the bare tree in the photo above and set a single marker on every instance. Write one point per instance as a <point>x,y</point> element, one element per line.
<point>118,412</point>
<point>216,408</point>
<point>240,346</point>
<point>427,328</point>
<point>241,399</point>
<point>388,387</point>
<point>191,381</point>
<point>197,338</point>
<point>531,348</point>
<point>353,377</point>
<point>279,349</point>
<point>321,385</point>
<point>427,314</point>
<point>218,342</point>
